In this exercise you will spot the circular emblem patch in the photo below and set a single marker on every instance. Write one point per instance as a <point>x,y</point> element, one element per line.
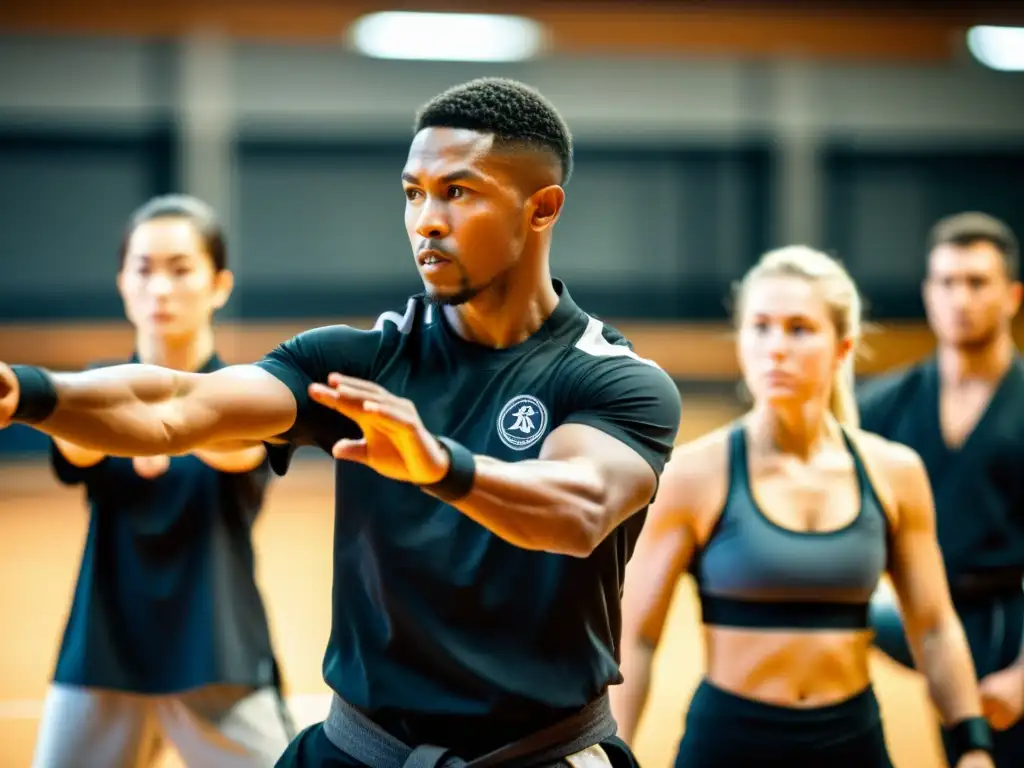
<point>522,422</point>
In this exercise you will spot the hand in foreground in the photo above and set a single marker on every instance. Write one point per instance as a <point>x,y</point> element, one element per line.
<point>976,759</point>
<point>8,395</point>
<point>1002,697</point>
<point>395,443</point>
<point>150,467</point>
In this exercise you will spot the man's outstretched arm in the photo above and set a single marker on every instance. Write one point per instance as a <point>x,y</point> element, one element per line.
<point>141,410</point>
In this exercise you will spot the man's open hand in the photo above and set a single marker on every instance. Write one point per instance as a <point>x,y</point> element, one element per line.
<point>395,443</point>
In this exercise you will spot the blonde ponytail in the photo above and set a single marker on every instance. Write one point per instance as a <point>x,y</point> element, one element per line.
<point>843,401</point>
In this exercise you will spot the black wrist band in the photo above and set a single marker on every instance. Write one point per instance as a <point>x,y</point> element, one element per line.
<point>37,395</point>
<point>458,480</point>
<point>969,735</point>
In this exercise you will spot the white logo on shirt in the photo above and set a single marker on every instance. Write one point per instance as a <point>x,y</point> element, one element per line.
<point>522,422</point>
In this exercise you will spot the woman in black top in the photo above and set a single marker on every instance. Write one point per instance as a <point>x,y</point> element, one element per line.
<point>167,637</point>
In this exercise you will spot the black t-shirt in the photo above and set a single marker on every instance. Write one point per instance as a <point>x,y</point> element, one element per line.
<point>979,486</point>
<point>435,618</point>
<point>166,598</point>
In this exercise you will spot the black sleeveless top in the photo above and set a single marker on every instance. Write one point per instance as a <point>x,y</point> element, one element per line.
<point>753,572</point>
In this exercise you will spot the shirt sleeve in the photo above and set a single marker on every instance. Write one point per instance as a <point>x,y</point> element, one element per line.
<point>311,357</point>
<point>878,401</point>
<point>633,401</point>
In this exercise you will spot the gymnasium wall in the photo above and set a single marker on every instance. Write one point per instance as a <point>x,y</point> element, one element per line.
<point>689,165</point>
<point>687,168</point>
<point>704,138</point>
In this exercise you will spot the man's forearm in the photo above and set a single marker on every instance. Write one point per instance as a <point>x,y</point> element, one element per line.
<point>121,410</point>
<point>945,661</point>
<point>554,506</point>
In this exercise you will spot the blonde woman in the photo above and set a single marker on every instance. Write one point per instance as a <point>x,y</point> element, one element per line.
<point>787,519</point>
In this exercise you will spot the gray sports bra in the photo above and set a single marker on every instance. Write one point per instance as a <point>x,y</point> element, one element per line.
<point>753,572</point>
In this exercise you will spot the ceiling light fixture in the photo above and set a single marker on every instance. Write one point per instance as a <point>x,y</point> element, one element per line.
<point>999,48</point>
<point>447,36</point>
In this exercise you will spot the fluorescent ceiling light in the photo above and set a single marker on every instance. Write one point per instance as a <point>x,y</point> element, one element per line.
<point>447,36</point>
<point>1000,48</point>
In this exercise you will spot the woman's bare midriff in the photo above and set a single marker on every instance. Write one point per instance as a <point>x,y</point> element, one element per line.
<point>788,668</point>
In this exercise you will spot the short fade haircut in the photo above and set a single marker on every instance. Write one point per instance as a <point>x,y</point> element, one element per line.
<point>513,112</point>
<point>201,216</point>
<point>970,227</point>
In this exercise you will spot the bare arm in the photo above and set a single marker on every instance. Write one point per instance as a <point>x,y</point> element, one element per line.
<point>933,628</point>
<point>662,555</point>
<point>78,456</point>
<point>144,410</point>
<point>583,485</point>
<point>238,460</point>
<point>224,457</point>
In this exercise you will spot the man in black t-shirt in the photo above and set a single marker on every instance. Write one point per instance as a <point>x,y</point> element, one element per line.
<point>497,449</point>
<point>961,411</point>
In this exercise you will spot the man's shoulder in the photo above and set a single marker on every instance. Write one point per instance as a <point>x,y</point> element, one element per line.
<point>357,348</point>
<point>883,387</point>
<point>413,316</point>
<point>598,342</point>
<point>881,399</point>
<point>388,325</point>
<point>601,349</point>
<point>602,366</point>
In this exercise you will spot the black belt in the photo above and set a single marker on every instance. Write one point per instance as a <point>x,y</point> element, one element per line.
<point>360,738</point>
<point>986,586</point>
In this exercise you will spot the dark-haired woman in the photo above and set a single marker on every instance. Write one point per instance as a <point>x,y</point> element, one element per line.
<point>167,638</point>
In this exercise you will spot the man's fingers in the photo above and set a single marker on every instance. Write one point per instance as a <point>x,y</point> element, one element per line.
<point>350,450</point>
<point>389,415</point>
<point>326,394</point>
<point>340,380</point>
<point>331,398</point>
<point>149,467</point>
<point>391,410</point>
<point>996,711</point>
<point>355,392</point>
<point>393,417</point>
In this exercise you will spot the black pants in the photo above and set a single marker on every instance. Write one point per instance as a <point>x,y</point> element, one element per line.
<point>724,730</point>
<point>994,627</point>
<point>312,749</point>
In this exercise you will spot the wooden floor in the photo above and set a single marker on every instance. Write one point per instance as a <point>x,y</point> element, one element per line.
<point>42,529</point>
